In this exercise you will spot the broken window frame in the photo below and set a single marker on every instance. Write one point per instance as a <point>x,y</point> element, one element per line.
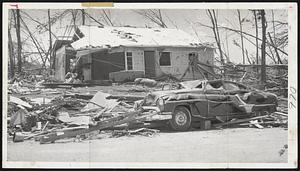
<point>169,60</point>
<point>129,66</point>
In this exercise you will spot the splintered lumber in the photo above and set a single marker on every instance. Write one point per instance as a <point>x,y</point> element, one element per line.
<point>126,97</point>
<point>239,121</point>
<point>280,113</point>
<point>18,101</point>
<point>214,75</point>
<point>255,123</point>
<point>140,131</point>
<point>55,85</point>
<point>73,132</point>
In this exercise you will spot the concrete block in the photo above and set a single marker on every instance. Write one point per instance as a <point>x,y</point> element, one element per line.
<point>123,76</point>
<point>205,124</point>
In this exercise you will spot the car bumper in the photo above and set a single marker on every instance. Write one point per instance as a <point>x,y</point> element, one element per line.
<point>160,116</point>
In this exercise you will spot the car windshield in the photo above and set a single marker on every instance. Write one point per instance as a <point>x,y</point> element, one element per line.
<point>192,84</point>
<point>223,85</point>
<point>214,86</point>
<point>231,86</point>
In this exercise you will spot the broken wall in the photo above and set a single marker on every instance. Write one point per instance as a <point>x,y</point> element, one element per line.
<point>104,63</point>
<point>60,64</point>
<point>180,62</point>
<point>179,57</point>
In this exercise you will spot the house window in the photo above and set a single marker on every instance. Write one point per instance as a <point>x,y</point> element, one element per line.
<point>192,56</point>
<point>165,59</point>
<point>129,61</point>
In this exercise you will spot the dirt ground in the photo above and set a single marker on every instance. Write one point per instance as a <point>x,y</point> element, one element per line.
<point>246,145</point>
<point>233,145</point>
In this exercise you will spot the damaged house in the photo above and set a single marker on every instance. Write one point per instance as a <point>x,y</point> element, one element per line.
<point>125,53</point>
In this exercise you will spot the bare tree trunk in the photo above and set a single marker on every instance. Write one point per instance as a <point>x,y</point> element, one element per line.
<point>83,16</point>
<point>272,55</point>
<point>74,15</point>
<point>11,53</point>
<point>256,35</point>
<point>18,32</point>
<point>274,30</point>
<point>276,52</point>
<point>216,36</point>
<point>161,19</point>
<point>107,18</point>
<point>263,48</point>
<point>241,29</point>
<point>91,17</point>
<point>227,43</point>
<point>50,40</point>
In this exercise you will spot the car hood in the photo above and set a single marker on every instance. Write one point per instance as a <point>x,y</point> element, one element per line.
<point>158,94</point>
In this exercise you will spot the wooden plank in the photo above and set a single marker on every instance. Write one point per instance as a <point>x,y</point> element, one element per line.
<point>280,113</point>
<point>256,124</point>
<point>61,134</point>
<point>239,121</point>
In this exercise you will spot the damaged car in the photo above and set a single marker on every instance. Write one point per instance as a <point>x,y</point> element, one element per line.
<point>206,100</point>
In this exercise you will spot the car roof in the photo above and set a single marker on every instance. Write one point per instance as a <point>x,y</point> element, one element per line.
<point>195,83</point>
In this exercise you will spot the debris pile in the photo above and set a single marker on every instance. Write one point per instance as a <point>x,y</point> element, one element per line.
<point>277,77</point>
<point>70,117</point>
<point>73,78</point>
<point>276,119</point>
<point>141,131</point>
<point>26,83</point>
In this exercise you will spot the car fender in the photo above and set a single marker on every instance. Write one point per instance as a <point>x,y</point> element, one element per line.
<point>189,105</point>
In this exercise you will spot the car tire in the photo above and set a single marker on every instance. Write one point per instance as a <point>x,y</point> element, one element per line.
<point>181,119</point>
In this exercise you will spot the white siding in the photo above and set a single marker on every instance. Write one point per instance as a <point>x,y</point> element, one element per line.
<point>137,59</point>
<point>180,62</point>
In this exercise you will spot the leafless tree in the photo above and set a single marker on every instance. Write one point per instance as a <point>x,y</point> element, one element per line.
<point>256,34</point>
<point>106,14</point>
<point>18,33</point>
<point>241,29</point>
<point>83,16</point>
<point>50,38</point>
<point>11,51</point>
<point>212,15</point>
<point>284,35</point>
<point>154,15</point>
<point>263,47</point>
<point>38,46</point>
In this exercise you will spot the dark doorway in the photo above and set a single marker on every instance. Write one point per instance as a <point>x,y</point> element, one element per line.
<point>103,63</point>
<point>149,63</point>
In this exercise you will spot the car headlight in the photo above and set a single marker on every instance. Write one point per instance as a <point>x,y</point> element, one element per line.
<point>160,103</point>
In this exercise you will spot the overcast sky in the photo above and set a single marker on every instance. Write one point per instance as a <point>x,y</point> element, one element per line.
<point>186,20</point>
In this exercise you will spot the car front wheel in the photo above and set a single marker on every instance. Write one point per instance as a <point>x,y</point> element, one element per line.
<point>181,119</point>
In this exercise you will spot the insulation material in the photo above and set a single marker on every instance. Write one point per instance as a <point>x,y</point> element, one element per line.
<point>80,120</point>
<point>18,101</point>
<point>100,99</point>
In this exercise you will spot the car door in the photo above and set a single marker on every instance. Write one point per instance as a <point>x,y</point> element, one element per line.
<point>199,105</point>
<point>218,104</point>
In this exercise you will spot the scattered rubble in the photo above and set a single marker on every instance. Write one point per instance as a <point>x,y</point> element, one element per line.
<point>275,119</point>
<point>48,120</point>
<point>141,131</point>
<point>59,114</point>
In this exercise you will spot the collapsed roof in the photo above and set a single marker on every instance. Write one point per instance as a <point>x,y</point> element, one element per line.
<point>93,36</point>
